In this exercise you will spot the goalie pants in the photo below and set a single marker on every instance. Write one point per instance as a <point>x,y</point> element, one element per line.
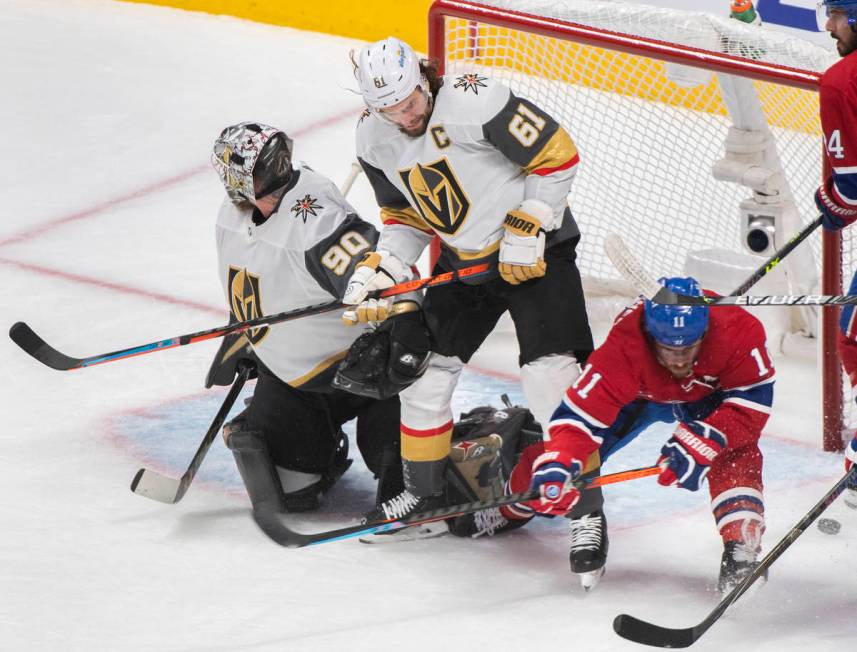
<point>734,481</point>
<point>303,428</point>
<point>550,320</point>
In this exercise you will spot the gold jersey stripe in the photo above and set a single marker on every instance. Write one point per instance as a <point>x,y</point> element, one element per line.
<point>474,255</point>
<point>407,216</point>
<point>426,449</point>
<point>560,149</point>
<point>322,366</point>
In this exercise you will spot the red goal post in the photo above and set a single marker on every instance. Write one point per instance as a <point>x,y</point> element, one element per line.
<point>592,64</point>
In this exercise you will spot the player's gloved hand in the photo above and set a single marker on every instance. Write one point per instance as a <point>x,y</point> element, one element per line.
<point>378,270</point>
<point>378,310</point>
<point>833,216</point>
<point>687,456</point>
<point>552,476</point>
<point>522,250</point>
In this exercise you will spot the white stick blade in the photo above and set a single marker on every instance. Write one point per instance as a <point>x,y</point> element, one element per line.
<point>155,486</point>
<point>629,266</point>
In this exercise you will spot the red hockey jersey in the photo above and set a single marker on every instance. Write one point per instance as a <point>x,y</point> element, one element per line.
<point>838,108</point>
<point>732,361</point>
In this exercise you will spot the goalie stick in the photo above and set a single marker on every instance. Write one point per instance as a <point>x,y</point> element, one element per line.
<point>26,338</point>
<point>272,523</point>
<point>629,266</point>
<point>647,633</point>
<point>152,484</point>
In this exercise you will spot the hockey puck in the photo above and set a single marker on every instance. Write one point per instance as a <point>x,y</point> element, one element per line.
<point>829,525</point>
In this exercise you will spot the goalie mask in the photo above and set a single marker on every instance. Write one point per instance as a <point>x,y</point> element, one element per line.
<point>252,160</point>
<point>383,362</point>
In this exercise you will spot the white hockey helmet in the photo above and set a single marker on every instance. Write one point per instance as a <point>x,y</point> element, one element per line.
<point>249,150</point>
<point>387,71</point>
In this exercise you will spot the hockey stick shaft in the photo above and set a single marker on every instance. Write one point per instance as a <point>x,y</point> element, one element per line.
<point>272,524</point>
<point>35,346</point>
<point>647,633</point>
<point>630,267</point>
<point>152,484</point>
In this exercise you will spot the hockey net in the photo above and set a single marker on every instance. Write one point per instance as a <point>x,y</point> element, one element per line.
<point>649,96</point>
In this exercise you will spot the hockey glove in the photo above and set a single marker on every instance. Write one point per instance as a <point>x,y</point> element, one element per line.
<point>552,476</point>
<point>687,456</point>
<point>378,270</point>
<point>833,216</point>
<point>522,250</point>
<point>378,310</point>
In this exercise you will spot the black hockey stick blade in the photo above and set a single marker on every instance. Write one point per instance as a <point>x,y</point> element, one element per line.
<point>25,337</point>
<point>165,489</point>
<point>647,633</point>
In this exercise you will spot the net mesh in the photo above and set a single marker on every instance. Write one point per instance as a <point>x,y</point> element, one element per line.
<point>648,132</point>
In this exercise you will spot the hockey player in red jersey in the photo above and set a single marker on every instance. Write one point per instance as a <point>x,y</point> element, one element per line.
<point>837,196</point>
<point>709,371</point>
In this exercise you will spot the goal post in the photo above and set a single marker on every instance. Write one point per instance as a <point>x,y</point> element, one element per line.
<point>653,98</point>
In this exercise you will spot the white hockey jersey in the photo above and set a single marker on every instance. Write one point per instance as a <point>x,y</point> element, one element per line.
<point>302,255</point>
<point>485,150</point>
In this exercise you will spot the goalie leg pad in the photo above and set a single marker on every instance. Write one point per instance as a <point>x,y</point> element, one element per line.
<point>257,470</point>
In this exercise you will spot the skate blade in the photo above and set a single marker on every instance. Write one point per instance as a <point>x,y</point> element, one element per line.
<point>413,533</point>
<point>590,580</point>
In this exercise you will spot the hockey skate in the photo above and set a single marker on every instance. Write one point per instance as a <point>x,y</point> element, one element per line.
<point>402,506</point>
<point>588,553</point>
<point>487,522</point>
<point>738,561</point>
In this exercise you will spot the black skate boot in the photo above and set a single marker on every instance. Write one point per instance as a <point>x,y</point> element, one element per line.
<point>487,522</point>
<point>400,507</point>
<point>738,561</point>
<point>588,554</point>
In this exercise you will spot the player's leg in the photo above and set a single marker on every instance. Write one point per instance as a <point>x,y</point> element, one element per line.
<point>847,345</point>
<point>735,483</point>
<point>459,318</point>
<point>378,441</point>
<point>552,329</point>
<point>288,443</point>
<point>588,537</point>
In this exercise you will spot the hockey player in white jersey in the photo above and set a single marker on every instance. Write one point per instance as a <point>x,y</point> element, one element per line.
<point>463,158</point>
<point>286,239</point>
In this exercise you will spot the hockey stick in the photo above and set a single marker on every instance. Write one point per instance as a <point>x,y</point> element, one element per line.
<point>629,266</point>
<point>272,523</point>
<point>26,338</point>
<point>152,484</point>
<point>647,633</point>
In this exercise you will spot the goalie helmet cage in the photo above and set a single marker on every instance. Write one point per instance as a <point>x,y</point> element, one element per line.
<point>639,90</point>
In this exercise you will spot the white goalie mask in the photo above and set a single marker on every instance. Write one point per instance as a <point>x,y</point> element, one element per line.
<point>251,150</point>
<point>388,71</point>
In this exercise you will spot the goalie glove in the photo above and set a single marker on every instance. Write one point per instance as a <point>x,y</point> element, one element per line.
<point>686,458</point>
<point>522,250</point>
<point>378,270</point>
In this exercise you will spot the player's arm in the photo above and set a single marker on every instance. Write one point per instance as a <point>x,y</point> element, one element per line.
<point>331,261</point>
<point>836,198</point>
<point>533,140</point>
<point>578,425</point>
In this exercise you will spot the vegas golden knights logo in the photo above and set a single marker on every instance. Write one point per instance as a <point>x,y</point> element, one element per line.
<point>437,195</point>
<point>246,301</point>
